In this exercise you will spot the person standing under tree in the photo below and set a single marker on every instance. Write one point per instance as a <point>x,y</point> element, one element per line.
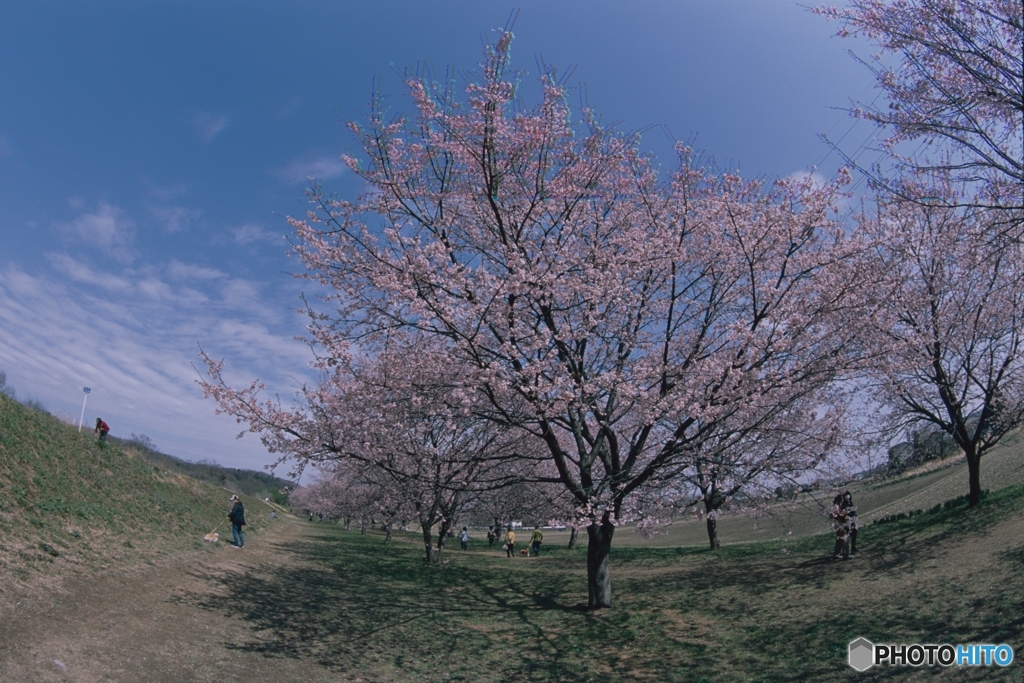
<point>237,517</point>
<point>510,543</point>
<point>101,430</point>
<point>841,524</point>
<point>492,536</point>
<point>535,540</point>
<point>464,538</point>
<point>851,512</point>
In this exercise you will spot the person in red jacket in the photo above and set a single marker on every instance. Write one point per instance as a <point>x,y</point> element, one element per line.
<point>102,429</point>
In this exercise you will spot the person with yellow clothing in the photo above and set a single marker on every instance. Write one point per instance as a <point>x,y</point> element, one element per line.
<point>510,543</point>
<point>535,540</point>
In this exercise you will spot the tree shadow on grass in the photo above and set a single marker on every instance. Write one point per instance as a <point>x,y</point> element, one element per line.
<point>358,607</point>
<point>901,548</point>
<point>1014,557</point>
<point>805,608</point>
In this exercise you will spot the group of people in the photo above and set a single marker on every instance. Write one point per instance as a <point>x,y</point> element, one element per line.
<point>535,540</point>
<point>509,544</point>
<point>843,513</point>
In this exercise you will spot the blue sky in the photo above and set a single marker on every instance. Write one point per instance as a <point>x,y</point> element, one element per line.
<point>149,153</point>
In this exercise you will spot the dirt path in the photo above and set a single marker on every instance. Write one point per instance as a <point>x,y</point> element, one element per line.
<point>169,622</point>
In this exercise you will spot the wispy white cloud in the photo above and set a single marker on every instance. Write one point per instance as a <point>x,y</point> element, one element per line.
<point>313,165</point>
<point>174,218</point>
<point>164,206</point>
<point>816,178</point>
<point>153,288</point>
<point>80,272</point>
<point>185,271</point>
<point>251,232</point>
<point>107,228</point>
<point>210,125</point>
<point>133,336</point>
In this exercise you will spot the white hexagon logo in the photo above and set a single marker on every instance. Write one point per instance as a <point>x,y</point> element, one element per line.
<point>862,654</point>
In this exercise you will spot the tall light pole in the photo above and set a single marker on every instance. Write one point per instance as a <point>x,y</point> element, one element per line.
<point>86,391</point>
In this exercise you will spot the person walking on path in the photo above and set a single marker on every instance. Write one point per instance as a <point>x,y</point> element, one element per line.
<point>101,430</point>
<point>464,538</point>
<point>851,512</point>
<point>510,543</point>
<point>535,540</point>
<point>237,517</point>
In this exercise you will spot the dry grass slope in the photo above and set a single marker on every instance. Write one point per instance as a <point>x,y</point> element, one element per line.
<point>69,507</point>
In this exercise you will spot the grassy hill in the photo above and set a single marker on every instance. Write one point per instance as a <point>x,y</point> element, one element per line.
<point>249,482</point>
<point>69,506</point>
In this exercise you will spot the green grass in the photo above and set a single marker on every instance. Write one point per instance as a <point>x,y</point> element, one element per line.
<point>763,612</point>
<point>67,504</point>
<point>249,482</point>
<point>1002,467</point>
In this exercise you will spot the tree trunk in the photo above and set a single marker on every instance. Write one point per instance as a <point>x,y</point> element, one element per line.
<point>713,533</point>
<point>973,478</point>
<point>428,542</point>
<point>442,534</point>
<point>572,537</point>
<point>599,546</point>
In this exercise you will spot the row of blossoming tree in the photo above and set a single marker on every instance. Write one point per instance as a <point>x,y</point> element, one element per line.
<point>943,345</point>
<point>521,300</point>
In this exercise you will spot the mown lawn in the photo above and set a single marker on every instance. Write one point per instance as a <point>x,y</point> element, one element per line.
<point>757,612</point>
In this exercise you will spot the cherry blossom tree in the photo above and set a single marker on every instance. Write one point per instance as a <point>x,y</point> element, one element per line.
<point>952,72</point>
<point>616,320</point>
<point>325,497</point>
<point>520,499</point>
<point>394,434</point>
<point>946,348</point>
<point>744,466</point>
<point>347,491</point>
